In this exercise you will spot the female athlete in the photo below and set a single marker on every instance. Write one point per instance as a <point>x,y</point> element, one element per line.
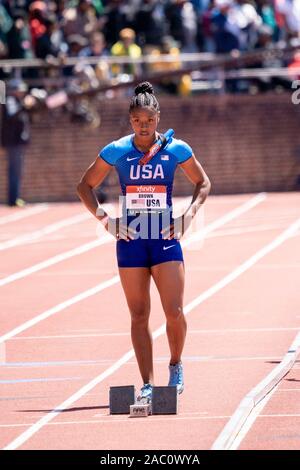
<point>147,234</point>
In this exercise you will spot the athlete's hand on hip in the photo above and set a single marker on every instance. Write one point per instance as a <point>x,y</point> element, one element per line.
<point>120,230</point>
<point>177,228</point>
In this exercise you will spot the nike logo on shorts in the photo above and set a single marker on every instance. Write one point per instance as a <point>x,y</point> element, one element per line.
<point>167,247</point>
<point>134,158</point>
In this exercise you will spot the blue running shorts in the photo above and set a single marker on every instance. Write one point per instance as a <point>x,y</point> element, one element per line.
<point>144,253</point>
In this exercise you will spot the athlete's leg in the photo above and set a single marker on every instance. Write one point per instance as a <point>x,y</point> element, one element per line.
<point>169,279</point>
<point>136,285</point>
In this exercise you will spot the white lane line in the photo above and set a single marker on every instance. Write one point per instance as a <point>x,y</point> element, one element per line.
<point>24,213</point>
<point>186,413</point>
<point>55,259</point>
<point>281,415</point>
<point>200,235</point>
<point>17,425</point>
<point>86,335</point>
<point>32,236</point>
<point>117,420</point>
<point>31,365</point>
<point>285,235</point>
<point>204,332</point>
<point>22,438</point>
<point>254,220</point>
<point>58,308</point>
<point>241,231</point>
<point>246,330</point>
<point>195,237</point>
<point>225,267</point>
<point>39,379</point>
<point>254,201</point>
<point>229,436</point>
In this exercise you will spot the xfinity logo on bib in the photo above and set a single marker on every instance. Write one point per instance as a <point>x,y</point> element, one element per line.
<point>146,172</point>
<point>145,189</point>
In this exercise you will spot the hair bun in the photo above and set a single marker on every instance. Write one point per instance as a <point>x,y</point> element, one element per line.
<point>144,87</point>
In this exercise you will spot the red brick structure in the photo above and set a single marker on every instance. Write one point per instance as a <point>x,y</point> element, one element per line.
<point>245,143</point>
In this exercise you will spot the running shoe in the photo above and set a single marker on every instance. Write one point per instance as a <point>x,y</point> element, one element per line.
<point>176,376</point>
<point>146,393</point>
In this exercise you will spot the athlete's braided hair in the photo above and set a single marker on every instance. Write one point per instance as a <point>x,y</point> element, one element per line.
<point>144,97</point>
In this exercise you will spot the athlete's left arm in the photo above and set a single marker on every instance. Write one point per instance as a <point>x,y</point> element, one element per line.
<point>195,173</point>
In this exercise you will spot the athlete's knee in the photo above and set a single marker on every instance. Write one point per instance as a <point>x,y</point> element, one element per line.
<point>174,313</point>
<point>139,315</point>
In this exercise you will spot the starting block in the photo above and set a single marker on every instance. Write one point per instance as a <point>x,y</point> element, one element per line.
<point>164,400</point>
<point>120,399</point>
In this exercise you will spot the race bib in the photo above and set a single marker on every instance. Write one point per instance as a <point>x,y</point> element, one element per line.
<point>144,197</point>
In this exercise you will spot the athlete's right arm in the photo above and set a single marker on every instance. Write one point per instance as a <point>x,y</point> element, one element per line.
<point>91,179</point>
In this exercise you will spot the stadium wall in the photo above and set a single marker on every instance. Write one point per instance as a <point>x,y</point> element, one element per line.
<point>245,144</point>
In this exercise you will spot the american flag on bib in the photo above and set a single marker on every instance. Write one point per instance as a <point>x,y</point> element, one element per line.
<point>138,201</point>
<point>164,157</point>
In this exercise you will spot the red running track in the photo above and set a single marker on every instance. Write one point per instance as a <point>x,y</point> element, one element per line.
<point>238,332</point>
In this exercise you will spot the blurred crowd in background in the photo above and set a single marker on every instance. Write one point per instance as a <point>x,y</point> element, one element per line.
<point>92,27</point>
<point>101,30</point>
<point>86,28</point>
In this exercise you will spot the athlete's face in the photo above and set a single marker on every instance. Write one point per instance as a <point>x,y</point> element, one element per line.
<point>144,122</point>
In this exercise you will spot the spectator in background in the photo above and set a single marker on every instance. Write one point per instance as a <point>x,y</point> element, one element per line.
<point>205,26</point>
<point>227,36</point>
<point>265,82</point>
<point>80,20</point>
<point>37,16</point>
<point>264,39</point>
<point>60,10</point>
<point>15,135</point>
<point>183,23</point>
<point>266,11</point>
<point>289,11</point>
<point>76,44</point>
<point>200,5</point>
<point>18,37</point>
<point>170,84</point>
<point>115,19</point>
<point>96,47</point>
<point>235,25</point>
<point>6,23</point>
<point>150,23</point>
<point>225,32</point>
<point>243,15</point>
<point>50,43</point>
<point>126,46</point>
<point>3,55</point>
